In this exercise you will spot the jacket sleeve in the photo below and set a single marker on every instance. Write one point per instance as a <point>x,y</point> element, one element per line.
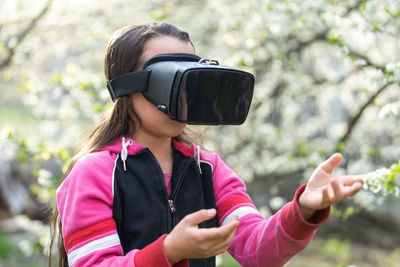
<point>258,241</point>
<point>84,202</point>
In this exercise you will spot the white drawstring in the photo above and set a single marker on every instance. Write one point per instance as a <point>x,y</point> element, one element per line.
<point>198,157</point>
<point>124,151</point>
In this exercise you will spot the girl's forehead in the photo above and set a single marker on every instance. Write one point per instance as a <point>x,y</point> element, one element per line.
<point>165,45</point>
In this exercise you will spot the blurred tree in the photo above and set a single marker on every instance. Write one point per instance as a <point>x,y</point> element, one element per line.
<point>327,74</point>
<point>14,180</point>
<point>11,40</point>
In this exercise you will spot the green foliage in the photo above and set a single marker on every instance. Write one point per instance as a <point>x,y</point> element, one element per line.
<point>7,248</point>
<point>362,6</point>
<point>36,156</point>
<point>317,63</point>
<point>384,181</point>
<point>11,255</point>
<point>302,148</point>
<point>335,252</point>
<point>338,249</point>
<point>344,213</point>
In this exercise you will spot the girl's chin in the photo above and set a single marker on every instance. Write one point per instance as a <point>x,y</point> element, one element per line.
<point>179,125</point>
<point>179,131</point>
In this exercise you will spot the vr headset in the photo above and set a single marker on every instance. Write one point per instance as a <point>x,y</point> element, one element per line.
<point>190,89</point>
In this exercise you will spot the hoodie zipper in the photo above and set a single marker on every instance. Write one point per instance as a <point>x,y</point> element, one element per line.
<point>180,178</point>
<point>171,199</point>
<point>173,196</point>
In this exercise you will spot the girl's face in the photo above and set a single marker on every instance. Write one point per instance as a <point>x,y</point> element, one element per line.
<point>154,122</point>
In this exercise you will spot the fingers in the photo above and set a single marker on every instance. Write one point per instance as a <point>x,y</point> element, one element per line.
<point>220,233</point>
<point>186,240</point>
<point>222,240</point>
<point>359,178</point>
<point>224,245</point>
<point>210,234</point>
<point>337,190</point>
<point>330,164</point>
<point>349,191</point>
<point>349,180</point>
<point>197,217</point>
<point>227,236</point>
<point>233,233</point>
<point>214,241</point>
<point>326,196</point>
<point>341,188</point>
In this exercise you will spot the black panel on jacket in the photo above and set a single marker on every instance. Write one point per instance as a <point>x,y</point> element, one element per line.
<point>140,206</point>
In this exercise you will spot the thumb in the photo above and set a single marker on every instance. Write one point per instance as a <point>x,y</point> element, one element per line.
<point>200,216</point>
<point>330,164</point>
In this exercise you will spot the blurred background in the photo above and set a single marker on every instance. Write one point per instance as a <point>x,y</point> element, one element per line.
<point>327,79</point>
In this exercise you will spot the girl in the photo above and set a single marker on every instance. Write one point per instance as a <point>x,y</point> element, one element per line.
<point>139,194</point>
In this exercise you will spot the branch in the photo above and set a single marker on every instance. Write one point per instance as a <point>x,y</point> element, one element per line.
<point>368,62</point>
<point>22,35</point>
<point>317,81</point>
<point>354,120</point>
<point>298,46</point>
<point>322,35</point>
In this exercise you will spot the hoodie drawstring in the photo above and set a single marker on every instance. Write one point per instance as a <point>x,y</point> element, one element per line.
<point>198,157</point>
<point>124,151</point>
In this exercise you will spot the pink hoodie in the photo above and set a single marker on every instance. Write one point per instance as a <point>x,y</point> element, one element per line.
<point>85,200</point>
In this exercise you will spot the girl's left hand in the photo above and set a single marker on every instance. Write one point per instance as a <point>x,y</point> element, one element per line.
<point>324,189</point>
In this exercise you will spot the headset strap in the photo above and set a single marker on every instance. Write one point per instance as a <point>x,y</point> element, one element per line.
<point>129,83</point>
<point>171,57</point>
<point>137,81</point>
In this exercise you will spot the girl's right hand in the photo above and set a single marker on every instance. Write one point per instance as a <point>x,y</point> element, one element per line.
<point>188,241</point>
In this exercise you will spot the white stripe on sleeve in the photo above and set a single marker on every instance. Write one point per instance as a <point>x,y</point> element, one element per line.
<point>102,243</point>
<point>239,212</point>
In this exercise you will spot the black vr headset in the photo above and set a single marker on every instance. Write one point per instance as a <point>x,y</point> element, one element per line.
<point>190,89</point>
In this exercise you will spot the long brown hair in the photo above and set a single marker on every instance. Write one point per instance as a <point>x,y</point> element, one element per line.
<point>123,55</point>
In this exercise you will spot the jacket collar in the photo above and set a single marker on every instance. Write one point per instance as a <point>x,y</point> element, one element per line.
<point>135,147</point>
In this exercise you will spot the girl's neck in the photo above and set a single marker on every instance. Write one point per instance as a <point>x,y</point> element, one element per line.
<point>161,149</point>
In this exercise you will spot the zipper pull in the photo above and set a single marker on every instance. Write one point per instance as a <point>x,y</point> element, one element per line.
<point>171,205</point>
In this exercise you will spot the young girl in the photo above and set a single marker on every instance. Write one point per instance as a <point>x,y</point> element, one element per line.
<point>139,194</point>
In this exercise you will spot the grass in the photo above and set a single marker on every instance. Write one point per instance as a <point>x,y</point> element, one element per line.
<point>26,125</point>
<point>10,114</point>
<point>11,255</point>
<point>19,117</point>
<point>335,253</point>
